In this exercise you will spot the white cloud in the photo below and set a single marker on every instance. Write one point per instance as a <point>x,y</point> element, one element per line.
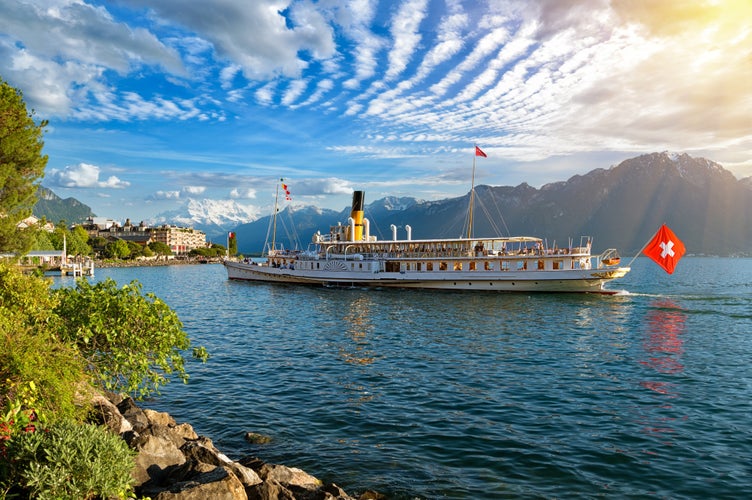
<point>166,195</point>
<point>246,193</point>
<point>254,35</point>
<point>194,189</point>
<point>405,36</point>
<point>83,175</point>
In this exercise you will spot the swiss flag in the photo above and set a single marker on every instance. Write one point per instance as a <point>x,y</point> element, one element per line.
<point>479,152</point>
<point>665,249</point>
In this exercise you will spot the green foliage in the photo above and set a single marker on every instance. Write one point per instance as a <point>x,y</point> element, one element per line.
<point>70,461</point>
<point>76,241</point>
<point>21,166</point>
<point>216,251</point>
<point>42,241</point>
<point>135,250</point>
<point>31,353</point>
<point>132,341</point>
<point>160,248</point>
<point>117,249</point>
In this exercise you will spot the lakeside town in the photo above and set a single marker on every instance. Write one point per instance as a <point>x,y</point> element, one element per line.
<point>109,243</point>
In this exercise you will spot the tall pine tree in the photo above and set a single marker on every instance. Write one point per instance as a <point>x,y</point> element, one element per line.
<point>21,168</point>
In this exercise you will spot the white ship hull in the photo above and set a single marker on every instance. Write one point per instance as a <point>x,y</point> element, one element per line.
<point>582,280</point>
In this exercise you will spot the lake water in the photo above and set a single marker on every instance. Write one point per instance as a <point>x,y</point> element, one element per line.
<point>477,395</point>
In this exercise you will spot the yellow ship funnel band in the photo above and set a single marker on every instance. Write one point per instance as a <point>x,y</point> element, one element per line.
<point>357,214</point>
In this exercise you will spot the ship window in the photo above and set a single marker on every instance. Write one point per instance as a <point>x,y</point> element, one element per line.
<point>442,266</point>
<point>360,265</point>
<point>429,266</point>
<point>558,264</point>
<point>488,266</point>
<point>419,266</point>
<point>505,265</point>
<point>541,264</point>
<point>458,266</point>
<point>472,266</point>
<point>521,265</point>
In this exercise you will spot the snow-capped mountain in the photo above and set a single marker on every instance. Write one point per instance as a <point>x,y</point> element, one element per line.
<point>214,217</point>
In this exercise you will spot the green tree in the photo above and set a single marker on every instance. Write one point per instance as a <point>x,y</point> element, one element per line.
<point>42,241</point>
<point>117,249</point>
<point>160,248</point>
<point>76,241</point>
<point>79,242</point>
<point>21,168</point>
<point>132,341</point>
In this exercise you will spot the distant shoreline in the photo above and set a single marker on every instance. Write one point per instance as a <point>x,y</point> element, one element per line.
<point>152,263</point>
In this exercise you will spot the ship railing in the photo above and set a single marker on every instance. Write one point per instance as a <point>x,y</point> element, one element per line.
<point>608,258</point>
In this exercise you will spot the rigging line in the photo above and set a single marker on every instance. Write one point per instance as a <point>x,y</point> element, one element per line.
<point>501,215</point>
<point>292,234</point>
<point>489,217</point>
<point>373,225</point>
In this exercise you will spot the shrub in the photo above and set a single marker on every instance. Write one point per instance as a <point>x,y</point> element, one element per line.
<point>70,461</point>
<point>34,364</point>
<point>131,341</point>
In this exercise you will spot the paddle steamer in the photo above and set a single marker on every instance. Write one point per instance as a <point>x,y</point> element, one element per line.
<point>349,256</point>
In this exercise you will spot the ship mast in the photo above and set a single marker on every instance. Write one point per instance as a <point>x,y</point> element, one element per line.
<point>274,218</point>
<point>477,152</point>
<point>472,199</point>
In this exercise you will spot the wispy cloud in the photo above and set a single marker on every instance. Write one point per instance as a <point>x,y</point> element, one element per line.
<point>83,175</point>
<point>241,92</point>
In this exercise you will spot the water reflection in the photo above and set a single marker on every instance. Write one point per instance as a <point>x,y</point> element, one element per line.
<point>663,343</point>
<point>359,325</point>
<point>664,347</point>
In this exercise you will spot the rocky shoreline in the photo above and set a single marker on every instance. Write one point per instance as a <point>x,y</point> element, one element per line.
<point>174,463</point>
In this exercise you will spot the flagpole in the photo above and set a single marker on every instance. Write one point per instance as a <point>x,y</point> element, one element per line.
<point>638,253</point>
<point>641,249</point>
<point>472,197</point>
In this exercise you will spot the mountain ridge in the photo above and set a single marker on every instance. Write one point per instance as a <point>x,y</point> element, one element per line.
<point>621,207</point>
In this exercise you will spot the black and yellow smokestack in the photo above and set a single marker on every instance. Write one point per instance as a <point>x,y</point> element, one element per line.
<point>357,214</point>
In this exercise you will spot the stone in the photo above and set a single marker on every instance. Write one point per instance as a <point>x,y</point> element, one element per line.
<point>269,490</point>
<point>161,418</point>
<point>155,455</point>
<point>185,431</point>
<point>372,495</point>
<point>107,414</point>
<point>256,438</point>
<point>288,476</point>
<point>133,414</point>
<point>217,484</point>
<point>203,450</point>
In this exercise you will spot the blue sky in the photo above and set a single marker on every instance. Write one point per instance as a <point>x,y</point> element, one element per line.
<point>154,103</point>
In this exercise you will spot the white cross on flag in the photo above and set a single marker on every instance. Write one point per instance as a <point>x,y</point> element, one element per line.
<point>665,249</point>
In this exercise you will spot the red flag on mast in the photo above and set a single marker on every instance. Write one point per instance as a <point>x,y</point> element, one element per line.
<point>665,249</point>
<point>479,152</point>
